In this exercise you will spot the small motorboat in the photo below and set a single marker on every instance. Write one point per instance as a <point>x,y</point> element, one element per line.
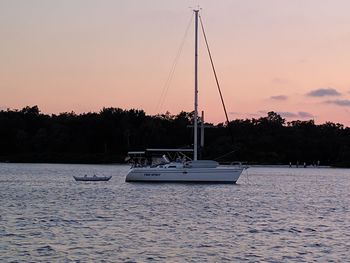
<point>92,178</point>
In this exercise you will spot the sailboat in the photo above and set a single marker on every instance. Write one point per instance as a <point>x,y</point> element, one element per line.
<point>193,171</point>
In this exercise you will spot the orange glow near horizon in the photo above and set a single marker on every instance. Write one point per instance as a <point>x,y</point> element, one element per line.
<point>291,57</point>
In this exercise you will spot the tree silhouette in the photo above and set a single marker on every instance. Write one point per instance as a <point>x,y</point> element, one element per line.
<point>27,135</point>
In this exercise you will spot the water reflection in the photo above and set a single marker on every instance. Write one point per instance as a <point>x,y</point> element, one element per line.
<point>273,214</point>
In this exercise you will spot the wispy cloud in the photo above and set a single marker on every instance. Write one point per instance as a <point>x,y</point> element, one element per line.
<point>323,92</point>
<point>284,114</point>
<point>343,103</point>
<point>279,81</point>
<point>300,114</point>
<point>303,114</point>
<point>287,114</point>
<point>245,114</point>
<point>279,97</point>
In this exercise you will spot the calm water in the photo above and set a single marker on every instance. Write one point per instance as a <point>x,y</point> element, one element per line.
<point>272,214</point>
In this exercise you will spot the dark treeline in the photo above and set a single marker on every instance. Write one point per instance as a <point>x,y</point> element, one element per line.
<point>29,136</point>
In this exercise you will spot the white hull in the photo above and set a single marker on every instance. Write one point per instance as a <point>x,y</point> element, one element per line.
<point>184,175</point>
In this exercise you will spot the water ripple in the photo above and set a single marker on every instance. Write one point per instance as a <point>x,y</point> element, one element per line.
<point>272,215</point>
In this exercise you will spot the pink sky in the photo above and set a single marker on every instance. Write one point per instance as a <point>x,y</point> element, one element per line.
<point>292,57</point>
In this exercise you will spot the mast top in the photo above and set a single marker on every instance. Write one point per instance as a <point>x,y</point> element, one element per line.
<point>196,9</point>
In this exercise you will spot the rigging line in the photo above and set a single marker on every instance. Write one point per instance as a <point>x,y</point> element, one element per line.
<point>216,77</point>
<point>212,65</point>
<point>172,71</point>
<point>224,155</point>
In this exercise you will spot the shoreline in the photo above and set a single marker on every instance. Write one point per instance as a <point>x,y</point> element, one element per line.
<point>125,164</point>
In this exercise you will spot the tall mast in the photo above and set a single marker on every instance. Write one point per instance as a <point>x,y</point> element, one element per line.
<point>195,144</point>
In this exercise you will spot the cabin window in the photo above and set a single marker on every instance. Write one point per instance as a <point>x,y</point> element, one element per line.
<point>172,166</point>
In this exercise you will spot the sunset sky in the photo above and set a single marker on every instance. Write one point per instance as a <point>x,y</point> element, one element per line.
<point>288,56</point>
